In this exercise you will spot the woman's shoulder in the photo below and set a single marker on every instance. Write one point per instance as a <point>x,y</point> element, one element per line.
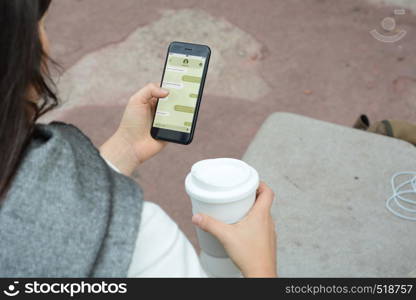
<point>60,154</point>
<point>58,141</point>
<point>60,133</point>
<point>65,150</point>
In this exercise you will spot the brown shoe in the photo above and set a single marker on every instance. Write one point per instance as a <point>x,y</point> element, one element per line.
<point>362,123</point>
<point>397,129</point>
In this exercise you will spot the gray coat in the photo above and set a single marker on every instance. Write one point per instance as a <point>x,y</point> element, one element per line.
<point>67,214</point>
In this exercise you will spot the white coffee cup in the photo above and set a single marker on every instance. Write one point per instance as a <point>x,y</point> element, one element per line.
<point>225,189</point>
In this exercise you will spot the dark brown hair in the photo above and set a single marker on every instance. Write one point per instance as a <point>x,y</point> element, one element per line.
<point>23,67</point>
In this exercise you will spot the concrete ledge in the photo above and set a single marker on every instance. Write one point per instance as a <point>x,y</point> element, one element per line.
<point>331,184</point>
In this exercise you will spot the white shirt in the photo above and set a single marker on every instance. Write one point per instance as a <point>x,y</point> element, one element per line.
<point>162,250</point>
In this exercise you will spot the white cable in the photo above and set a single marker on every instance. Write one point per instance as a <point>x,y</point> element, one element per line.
<point>405,207</point>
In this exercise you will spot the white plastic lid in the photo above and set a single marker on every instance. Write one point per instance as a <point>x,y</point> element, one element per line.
<point>221,180</point>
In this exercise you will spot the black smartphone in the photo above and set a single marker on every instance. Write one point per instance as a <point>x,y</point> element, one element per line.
<point>184,74</point>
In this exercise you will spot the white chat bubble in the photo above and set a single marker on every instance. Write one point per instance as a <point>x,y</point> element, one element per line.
<point>172,85</point>
<point>175,69</point>
<point>162,113</point>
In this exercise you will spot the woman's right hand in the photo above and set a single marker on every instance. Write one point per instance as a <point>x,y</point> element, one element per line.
<point>251,243</point>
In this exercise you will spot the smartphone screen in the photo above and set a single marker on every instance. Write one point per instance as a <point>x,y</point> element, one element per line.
<point>183,76</point>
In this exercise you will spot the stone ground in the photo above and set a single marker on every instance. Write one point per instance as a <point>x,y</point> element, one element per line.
<point>310,57</point>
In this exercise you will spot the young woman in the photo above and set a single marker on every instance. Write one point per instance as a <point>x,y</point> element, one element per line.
<point>70,210</point>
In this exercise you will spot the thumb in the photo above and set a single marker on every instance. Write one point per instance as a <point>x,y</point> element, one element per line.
<point>211,225</point>
<point>151,90</point>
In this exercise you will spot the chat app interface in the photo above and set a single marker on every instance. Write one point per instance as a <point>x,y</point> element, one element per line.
<point>182,78</point>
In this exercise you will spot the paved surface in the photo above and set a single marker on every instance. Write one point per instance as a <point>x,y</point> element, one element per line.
<point>332,183</point>
<point>313,57</point>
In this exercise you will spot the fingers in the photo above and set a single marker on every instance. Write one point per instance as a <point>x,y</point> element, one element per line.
<point>151,90</point>
<point>265,197</point>
<point>211,225</point>
<point>153,103</point>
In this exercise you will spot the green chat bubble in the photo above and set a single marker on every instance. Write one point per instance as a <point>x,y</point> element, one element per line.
<point>187,124</point>
<point>192,79</point>
<point>193,96</point>
<point>185,109</point>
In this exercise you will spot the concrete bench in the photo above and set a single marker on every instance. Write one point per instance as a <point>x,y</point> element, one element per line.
<point>331,184</point>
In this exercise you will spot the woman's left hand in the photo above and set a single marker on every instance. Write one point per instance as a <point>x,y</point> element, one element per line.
<point>132,143</point>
